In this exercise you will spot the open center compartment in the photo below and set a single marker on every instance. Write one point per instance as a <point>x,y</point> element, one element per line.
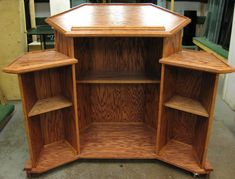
<point>118,81</point>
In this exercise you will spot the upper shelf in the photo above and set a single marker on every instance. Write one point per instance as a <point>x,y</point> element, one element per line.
<point>118,20</point>
<point>198,60</point>
<point>38,60</point>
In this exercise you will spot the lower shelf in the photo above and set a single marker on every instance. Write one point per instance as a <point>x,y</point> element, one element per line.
<point>54,155</point>
<point>181,155</point>
<point>118,140</point>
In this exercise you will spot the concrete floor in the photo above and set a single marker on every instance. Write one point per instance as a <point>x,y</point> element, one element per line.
<point>13,153</point>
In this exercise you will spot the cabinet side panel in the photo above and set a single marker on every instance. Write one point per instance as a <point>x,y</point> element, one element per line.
<point>68,87</point>
<point>64,44</point>
<point>151,105</point>
<point>210,120</point>
<point>206,98</point>
<point>200,137</point>
<point>52,126</point>
<point>181,126</point>
<point>32,127</point>
<point>47,83</point>
<point>188,83</point>
<point>84,105</point>
<point>28,88</point>
<point>168,80</point>
<point>172,44</point>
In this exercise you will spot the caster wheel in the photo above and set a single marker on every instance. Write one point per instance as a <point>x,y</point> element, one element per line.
<point>195,175</point>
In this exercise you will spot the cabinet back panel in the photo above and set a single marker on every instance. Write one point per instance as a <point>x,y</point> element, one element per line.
<point>188,83</point>
<point>118,103</point>
<point>47,83</point>
<point>52,126</point>
<point>181,126</point>
<point>118,54</point>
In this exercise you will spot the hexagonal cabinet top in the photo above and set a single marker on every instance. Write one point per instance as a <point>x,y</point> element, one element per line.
<point>118,20</point>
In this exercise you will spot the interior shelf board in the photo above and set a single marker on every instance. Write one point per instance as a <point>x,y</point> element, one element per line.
<point>198,60</point>
<point>49,104</point>
<point>118,77</point>
<point>118,140</point>
<point>181,155</point>
<point>187,105</point>
<point>54,155</point>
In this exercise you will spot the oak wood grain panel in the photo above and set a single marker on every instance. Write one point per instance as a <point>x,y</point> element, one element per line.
<point>118,140</point>
<point>117,103</point>
<point>38,60</point>
<point>187,105</point>
<point>30,96</point>
<point>210,120</point>
<point>118,20</point>
<point>181,126</point>
<point>206,93</point>
<point>47,83</point>
<point>54,155</point>
<point>52,126</point>
<point>126,55</point>
<point>64,45</point>
<point>84,105</point>
<point>71,128</point>
<point>188,83</point>
<point>68,88</point>
<point>198,60</point>
<point>199,141</point>
<point>152,93</point>
<point>172,44</point>
<point>75,108</point>
<point>32,128</point>
<point>168,78</point>
<point>36,138</point>
<point>181,155</point>
<point>49,104</point>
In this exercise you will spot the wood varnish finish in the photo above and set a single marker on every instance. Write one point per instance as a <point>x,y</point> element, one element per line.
<point>206,62</point>
<point>124,90</point>
<point>118,20</point>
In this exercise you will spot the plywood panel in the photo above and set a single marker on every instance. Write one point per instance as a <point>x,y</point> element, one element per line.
<point>172,44</point>
<point>52,126</point>
<point>64,45</point>
<point>117,103</point>
<point>118,140</point>
<point>118,55</point>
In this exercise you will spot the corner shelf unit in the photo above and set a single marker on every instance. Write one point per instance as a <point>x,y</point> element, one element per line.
<point>132,93</point>
<point>47,82</point>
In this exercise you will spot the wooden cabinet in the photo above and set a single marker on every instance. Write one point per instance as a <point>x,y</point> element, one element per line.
<point>132,92</point>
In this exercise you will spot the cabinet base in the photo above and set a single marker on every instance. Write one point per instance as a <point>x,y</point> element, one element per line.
<point>202,171</point>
